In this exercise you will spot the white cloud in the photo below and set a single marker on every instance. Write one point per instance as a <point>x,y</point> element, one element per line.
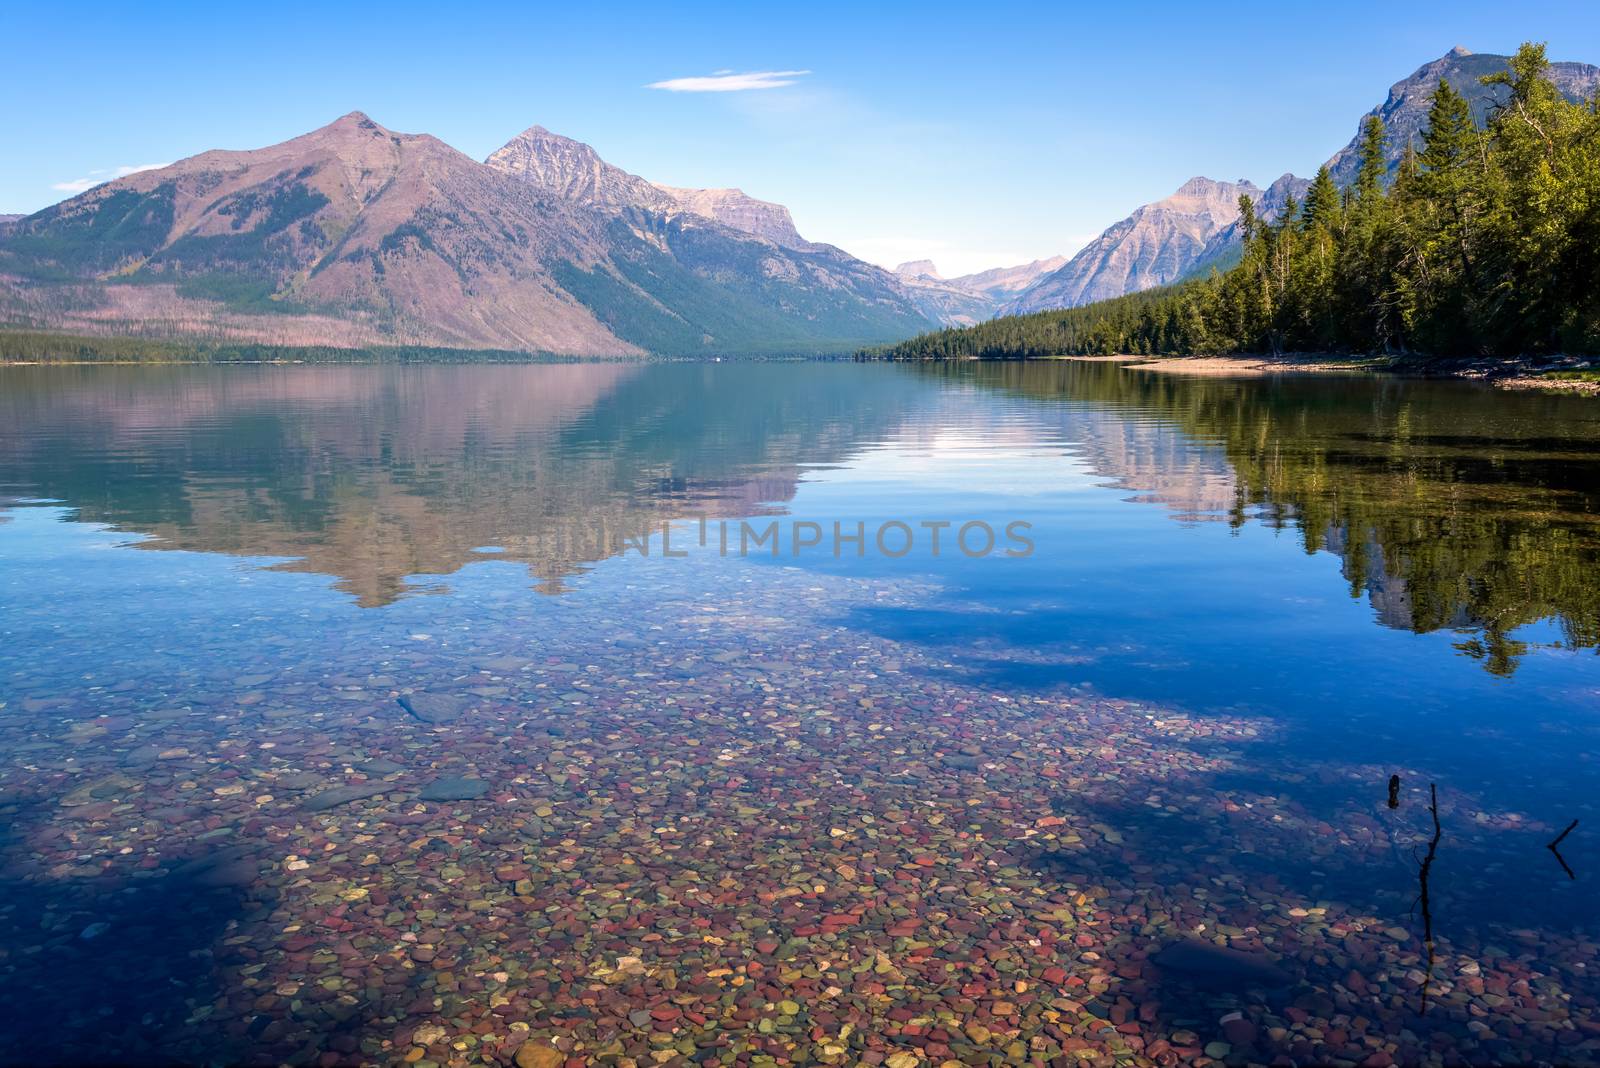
<point>79,185</point>
<point>727,81</point>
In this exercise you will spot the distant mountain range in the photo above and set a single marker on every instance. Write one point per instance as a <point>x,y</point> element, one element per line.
<point>1157,244</point>
<point>1196,228</point>
<point>969,298</point>
<point>354,235</point>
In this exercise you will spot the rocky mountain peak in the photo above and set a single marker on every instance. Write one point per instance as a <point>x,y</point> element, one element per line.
<point>1405,111</point>
<point>735,208</point>
<point>1212,204</point>
<point>1286,185</point>
<point>355,125</point>
<point>970,298</point>
<point>1159,243</point>
<point>1201,186</point>
<point>570,170</point>
<point>918,269</point>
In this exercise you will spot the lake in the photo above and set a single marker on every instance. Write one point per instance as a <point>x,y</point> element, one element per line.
<point>795,713</point>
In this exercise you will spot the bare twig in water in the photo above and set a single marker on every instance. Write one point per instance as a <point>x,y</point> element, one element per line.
<point>1552,846</point>
<point>1422,881</point>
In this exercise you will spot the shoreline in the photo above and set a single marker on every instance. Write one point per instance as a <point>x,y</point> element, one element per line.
<point>1517,374</point>
<point>1240,365</point>
<point>1577,375</point>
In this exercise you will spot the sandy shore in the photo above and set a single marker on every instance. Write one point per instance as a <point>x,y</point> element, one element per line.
<point>1240,365</point>
<point>1556,385</point>
<point>1272,365</point>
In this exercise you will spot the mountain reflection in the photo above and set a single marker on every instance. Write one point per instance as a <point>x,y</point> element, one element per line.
<point>374,474</point>
<point>1450,507</point>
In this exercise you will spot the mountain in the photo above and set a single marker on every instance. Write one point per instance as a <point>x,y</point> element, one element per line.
<point>1405,116</point>
<point>1171,240</point>
<point>1405,111</point>
<point>354,235</point>
<point>573,172</point>
<point>945,302</point>
<point>1159,243</point>
<point>348,235</point>
<point>732,207</point>
<point>918,269</point>
<point>970,298</point>
<point>1222,251</point>
<point>1003,283</point>
<point>796,296</point>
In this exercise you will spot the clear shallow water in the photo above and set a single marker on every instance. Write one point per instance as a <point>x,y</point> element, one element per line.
<point>767,797</point>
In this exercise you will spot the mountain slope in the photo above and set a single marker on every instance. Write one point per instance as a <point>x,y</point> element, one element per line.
<point>1002,283</point>
<point>679,282</point>
<point>1222,251</point>
<point>943,301</point>
<point>572,172</point>
<point>354,235</point>
<point>1405,110</point>
<point>970,298</point>
<point>1157,244</point>
<point>351,234</point>
<point>1405,115</point>
<point>731,207</point>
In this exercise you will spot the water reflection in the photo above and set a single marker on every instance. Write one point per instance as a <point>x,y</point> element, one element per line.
<point>1120,802</point>
<point>372,475</point>
<point>1452,507</point>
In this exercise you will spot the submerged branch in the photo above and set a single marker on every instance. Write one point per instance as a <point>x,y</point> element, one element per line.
<point>1423,871</point>
<point>1553,847</point>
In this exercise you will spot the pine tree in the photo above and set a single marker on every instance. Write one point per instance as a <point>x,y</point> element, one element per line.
<point>1247,218</point>
<point>1322,202</point>
<point>1448,141</point>
<point>1442,281</point>
<point>1484,241</point>
<point>1373,164</point>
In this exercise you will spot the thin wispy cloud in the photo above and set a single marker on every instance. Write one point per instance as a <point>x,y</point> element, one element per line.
<point>79,185</point>
<point>727,81</point>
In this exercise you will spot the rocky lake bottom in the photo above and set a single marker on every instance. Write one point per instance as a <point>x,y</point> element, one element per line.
<point>319,753</point>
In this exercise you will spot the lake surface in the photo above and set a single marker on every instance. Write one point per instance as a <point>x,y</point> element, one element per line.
<point>368,714</point>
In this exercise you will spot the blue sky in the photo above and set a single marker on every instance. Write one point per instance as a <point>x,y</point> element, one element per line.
<point>975,135</point>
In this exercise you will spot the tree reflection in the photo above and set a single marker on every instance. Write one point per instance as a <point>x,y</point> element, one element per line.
<point>1451,507</point>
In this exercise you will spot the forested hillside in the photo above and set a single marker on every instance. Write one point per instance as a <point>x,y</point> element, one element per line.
<point>1485,242</point>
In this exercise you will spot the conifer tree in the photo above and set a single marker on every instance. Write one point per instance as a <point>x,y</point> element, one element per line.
<point>1484,241</point>
<point>1322,201</point>
<point>1373,164</point>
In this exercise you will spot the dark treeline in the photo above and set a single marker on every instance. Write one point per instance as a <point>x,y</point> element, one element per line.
<point>1485,242</point>
<point>37,346</point>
